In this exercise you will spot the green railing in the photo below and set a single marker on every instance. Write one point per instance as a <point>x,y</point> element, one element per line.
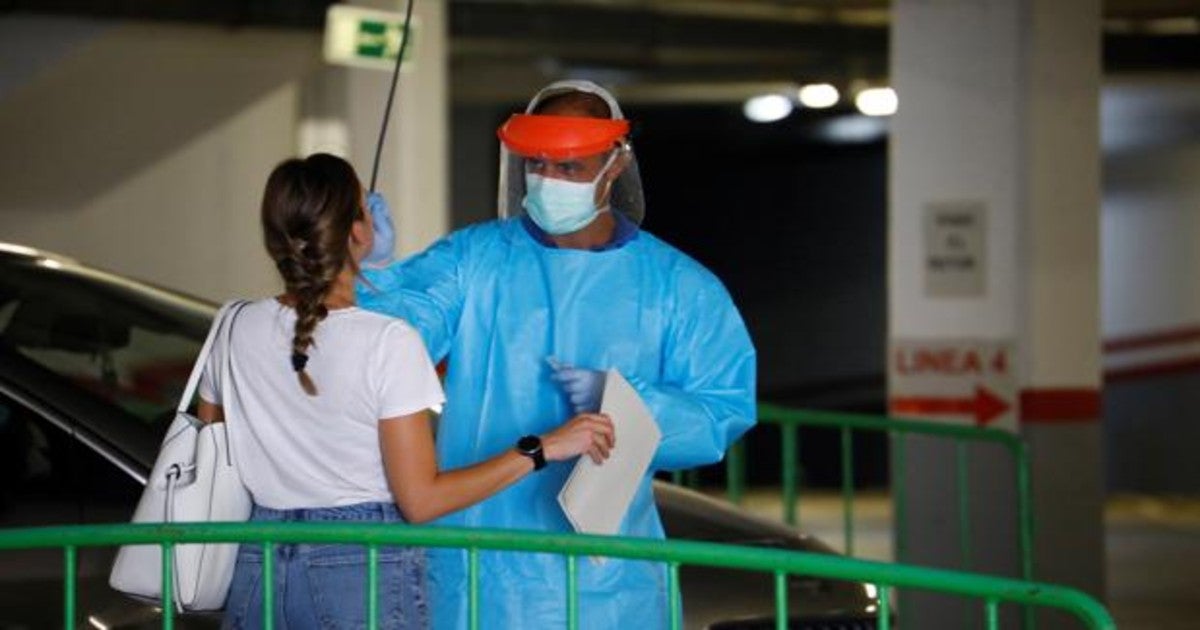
<point>789,422</point>
<point>992,590</point>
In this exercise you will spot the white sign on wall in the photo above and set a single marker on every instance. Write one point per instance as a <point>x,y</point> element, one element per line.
<point>955,248</point>
<point>367,38</point>
<point>963,381</point>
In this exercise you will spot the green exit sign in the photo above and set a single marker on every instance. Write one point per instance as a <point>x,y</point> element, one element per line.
<point>366,38</point>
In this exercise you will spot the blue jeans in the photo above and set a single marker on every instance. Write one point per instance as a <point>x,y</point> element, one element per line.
<point>325,586</point>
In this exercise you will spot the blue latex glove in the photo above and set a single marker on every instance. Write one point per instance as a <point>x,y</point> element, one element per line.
<point>385,235</point>
<point>583,387</point>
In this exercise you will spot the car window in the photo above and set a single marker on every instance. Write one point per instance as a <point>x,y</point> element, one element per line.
<point>112,340</point>
<point>47,477</point>
<point>91,368</point>
<point>38,481</point>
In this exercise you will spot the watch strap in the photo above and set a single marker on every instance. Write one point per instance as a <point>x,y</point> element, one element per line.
<point>531,446</point>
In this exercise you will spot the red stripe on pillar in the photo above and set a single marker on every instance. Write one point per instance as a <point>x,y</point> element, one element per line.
<point>1060,405</point>
<point>1148,370</point>
<point>1169,337</point>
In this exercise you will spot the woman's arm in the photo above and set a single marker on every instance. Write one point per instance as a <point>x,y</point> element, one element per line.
<point>424,493</point>
<point>208,412</point>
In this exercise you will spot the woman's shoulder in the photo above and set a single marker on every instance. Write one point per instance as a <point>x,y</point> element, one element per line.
<point>393,346</point>
<point>380,324</point>
<point>254,312</point>
<point>246,305</point>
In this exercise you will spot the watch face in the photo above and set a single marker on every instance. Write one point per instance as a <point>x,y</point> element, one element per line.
<point>529,443</point>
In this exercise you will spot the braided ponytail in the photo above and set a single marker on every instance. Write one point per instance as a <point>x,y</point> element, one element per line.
<point>309,208</point>
<point>309,288</point>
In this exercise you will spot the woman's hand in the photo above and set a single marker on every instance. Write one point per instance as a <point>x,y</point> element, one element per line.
<point>590,433</point>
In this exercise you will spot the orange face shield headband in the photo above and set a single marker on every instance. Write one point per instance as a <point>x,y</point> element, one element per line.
<point>560,137</point>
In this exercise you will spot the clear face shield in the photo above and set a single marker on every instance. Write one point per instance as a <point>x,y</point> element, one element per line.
<point>568,149</point>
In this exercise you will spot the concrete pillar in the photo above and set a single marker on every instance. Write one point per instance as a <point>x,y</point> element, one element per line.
<point>993,283</point>
<point>412,174</point>
<point>342,112</point>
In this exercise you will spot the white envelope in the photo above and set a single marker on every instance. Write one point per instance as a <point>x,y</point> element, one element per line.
<point>596,497</point>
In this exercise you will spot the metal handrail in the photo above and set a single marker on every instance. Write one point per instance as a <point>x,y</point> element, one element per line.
<point>674,553</point>
<point>789,420</point>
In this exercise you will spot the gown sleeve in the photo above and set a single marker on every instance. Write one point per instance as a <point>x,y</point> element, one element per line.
<point>426,290</point>
<point>705,399</point>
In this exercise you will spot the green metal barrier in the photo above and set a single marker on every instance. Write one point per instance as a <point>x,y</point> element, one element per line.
<point>790,420</point>
<point>992,590</point>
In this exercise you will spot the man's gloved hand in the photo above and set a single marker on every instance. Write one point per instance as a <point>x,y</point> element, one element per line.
<point>583,387</point>
<point>385,235</point>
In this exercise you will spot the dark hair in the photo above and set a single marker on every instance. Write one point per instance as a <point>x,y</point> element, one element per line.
<point>583,102</point>
<point>308,209</point>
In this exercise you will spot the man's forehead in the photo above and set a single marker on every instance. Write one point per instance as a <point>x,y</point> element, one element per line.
<point>567,109</point>
<point>574,103</point>
<point>583,159</point>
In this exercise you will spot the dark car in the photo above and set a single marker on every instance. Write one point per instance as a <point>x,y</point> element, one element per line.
<point>92,365</point>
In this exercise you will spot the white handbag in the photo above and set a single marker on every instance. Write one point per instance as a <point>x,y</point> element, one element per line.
<point>194,479</point>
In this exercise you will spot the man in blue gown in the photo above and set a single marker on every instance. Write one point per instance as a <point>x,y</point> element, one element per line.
<point>529,311</point>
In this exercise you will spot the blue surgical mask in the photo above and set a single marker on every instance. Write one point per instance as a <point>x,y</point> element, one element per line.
<point>559,206</point>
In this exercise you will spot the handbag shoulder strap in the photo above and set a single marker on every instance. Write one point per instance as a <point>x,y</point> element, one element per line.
<point>227,365</point>
<point>198,367</point>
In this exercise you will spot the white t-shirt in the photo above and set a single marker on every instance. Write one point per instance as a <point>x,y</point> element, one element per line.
<point>299,451</point>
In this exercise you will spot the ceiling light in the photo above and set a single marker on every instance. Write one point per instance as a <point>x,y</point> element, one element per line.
<point>818,96</point>
<point>767,108</point>
<point>877,101</point>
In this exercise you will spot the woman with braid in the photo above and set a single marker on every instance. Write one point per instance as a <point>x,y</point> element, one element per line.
<point>328,410</point>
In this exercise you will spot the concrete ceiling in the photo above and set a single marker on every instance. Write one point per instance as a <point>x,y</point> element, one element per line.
<point>727,50</point>
<point>671,49</point>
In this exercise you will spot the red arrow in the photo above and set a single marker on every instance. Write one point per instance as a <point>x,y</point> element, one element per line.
<point>985,406</point>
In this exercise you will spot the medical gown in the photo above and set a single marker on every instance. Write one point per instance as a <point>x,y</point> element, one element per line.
<point>496,303</point>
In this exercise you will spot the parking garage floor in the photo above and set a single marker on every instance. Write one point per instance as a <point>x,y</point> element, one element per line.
<point>1153,549</point>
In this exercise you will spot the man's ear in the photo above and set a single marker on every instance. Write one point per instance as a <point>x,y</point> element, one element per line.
<point>621,163</point>
<point>618,166</point>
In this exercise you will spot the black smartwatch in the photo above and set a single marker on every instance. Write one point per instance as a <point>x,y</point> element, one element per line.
<point>531,446</point>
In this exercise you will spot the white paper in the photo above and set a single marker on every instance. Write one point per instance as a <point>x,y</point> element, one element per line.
<point>596,497</point>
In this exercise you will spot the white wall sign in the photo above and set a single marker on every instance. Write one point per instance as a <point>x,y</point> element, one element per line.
<point>955,252</point>
<point>965,381</point>
<point>366,38</point>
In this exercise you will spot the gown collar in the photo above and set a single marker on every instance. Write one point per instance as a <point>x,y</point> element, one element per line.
<point>626,230</point>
